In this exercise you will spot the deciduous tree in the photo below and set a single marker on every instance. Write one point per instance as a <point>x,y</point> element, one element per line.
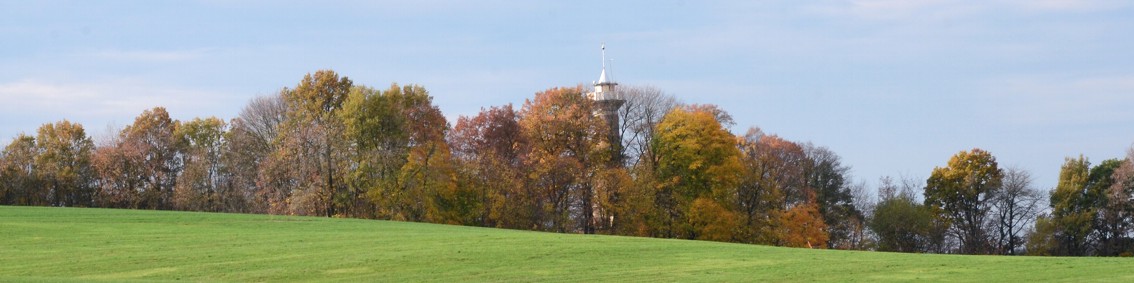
<point>1073,208</point>
<point>1107,235</point>
<point>1117,221</point>
<point>489,149</point>
<point>961,193</point>
<point>900,222</point>
<point>251,141</point>
<point>63,163</point>
<point>311,141</point>
<point>774,179</point>
<point>803,226</point>
<point>19,182</point>
<point>200,185</point>
<point>639,115</point>
<point>1015,208</point>
<point>149,161</point>
<point>828,177</point>
<point>428,171</point>
<point>697,158</point>
<point>568,147</point>
<point>712,221</point>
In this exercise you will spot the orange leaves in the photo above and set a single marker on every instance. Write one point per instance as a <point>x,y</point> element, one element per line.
<point>803,227</point>
<point>562,132</point>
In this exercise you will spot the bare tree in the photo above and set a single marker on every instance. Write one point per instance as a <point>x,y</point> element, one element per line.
<point>251,140</point>
<point>1015,208</point>
<point>262,117</point>
<point>644,108</point>
<point>860,237</point>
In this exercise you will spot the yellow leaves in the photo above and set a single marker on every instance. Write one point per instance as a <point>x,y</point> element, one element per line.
<point>711,221</point>
<point>318,95</point>
<point>692,143</point>
<point>698,159</point>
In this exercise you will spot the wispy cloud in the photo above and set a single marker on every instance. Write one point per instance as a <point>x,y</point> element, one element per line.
<point>950,10</point>
<point>147,55</point>
<point>898,9</point>
<point>1069,5</point>
<point>27,103</point>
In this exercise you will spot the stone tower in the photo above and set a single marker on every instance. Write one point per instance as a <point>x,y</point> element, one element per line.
<point>607,101</point>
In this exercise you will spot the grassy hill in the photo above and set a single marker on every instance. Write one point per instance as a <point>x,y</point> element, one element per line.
<point>69,244</point>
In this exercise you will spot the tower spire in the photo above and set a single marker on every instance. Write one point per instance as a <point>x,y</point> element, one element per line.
<point>608,101</point>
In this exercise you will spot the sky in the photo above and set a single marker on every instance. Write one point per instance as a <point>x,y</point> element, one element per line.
<point>895,87</point>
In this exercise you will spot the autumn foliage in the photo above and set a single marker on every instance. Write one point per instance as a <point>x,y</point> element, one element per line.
<point>330,147</point>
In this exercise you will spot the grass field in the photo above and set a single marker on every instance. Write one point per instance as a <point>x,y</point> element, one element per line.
<point>70,244</point>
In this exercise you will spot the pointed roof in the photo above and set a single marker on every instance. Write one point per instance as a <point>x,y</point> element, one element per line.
<point>602,79</point>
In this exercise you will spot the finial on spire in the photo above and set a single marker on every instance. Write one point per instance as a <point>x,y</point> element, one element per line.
<point>603,47</point>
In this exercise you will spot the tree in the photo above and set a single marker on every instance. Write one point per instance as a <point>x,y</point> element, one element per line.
<point>489,149</point>
<point>250,142</point>
<point>1075,204</point>
<point>63,163</point>
<point>376,131</point>
<point>144,163</point>
<point>428,172</point>
<point>803,226</point>
<point>760,193</point>
<point>1117,220</point>
<point>828,177</point>
<point>261,119</point>
<point>697,158</point>
<point>773,180</point>
<point>961,193</point>
<point>311,141</point>
<point>118,175</point>
<point>138,167</point>
<point>199,186</point>
<point>621,207</point>
<point>860,237</point>
<point>1108,232</point>
<point>1015,208</point>
<point>1073,208</point>
<point>900,222</point>
<point>401,160</point>
<point>711,221</point>
<point>567,148</point>
<point>639,115</point>
<point>19,181</point>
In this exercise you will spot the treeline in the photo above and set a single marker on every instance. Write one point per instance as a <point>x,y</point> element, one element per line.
<point>330,147</point>
<point>972,206</point>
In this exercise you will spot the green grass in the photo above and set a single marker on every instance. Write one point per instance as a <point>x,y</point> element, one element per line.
<point>69,244</point>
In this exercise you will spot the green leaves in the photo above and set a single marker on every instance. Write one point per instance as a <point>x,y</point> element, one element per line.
<point>960,193</point>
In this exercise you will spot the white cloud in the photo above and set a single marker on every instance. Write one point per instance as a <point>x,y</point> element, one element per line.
<point>26,104</point>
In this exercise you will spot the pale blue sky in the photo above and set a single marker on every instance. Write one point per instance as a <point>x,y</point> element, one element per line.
<point>895,87</point>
